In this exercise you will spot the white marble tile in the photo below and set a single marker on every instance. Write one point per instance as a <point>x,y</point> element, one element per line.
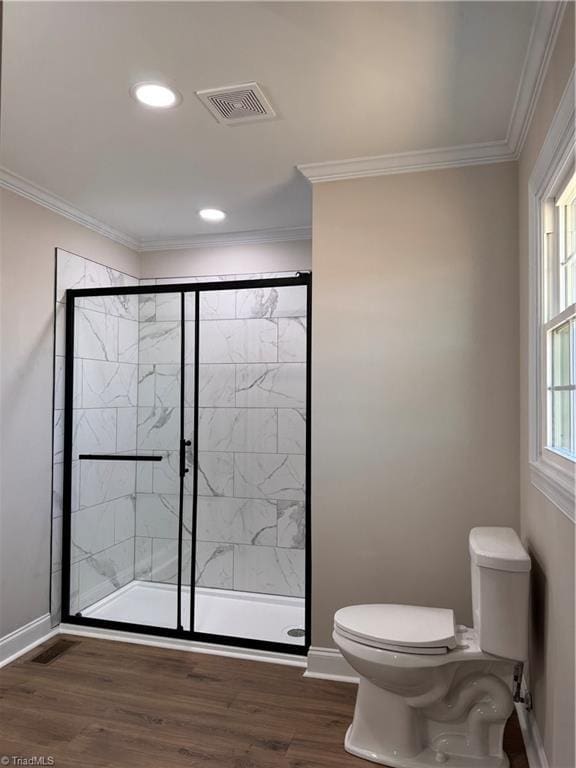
<point>94,430</point>
<point>217,385</point>
<point>92,530</point>
<point>284,301</point>
<point>238,341</point>
<point>70,273</point>
<point>168,306</point>
<point>74,605</point>
<point>159,342</point>
<point>59,382</point>
<point>57,489</point>
<point>291,430</point>
<point>120,305</point>
<point>165,562</point>
<point>237,521</point>
<point>282,385</point>
<point>269,476</point>
<point>96,335</point>
<point>147,307</point>
<point>292,339</point>
<point>57,544</point>
<point>56,597</point>
<point>237,429</point>
<point>189,341</point>
<point>105,572</point>
<point>166,473</point>
<point>128,341</point>
<point>60,329</point>
<point>105,480</point>
<point>215,474</point>
<point>157,515</point>
<point>217,305</point>
<point>106,384</point>
<point>75,500</point>
<point>291,524</point>
<point>165,381</point>
<point>144,474</point>
<point>124,518</point>
<point>143,558</point>
<point>58,436</point>
<point>126,429</point>
<point>214,565</point>
<point>158,428</point>
<point>269,569</point>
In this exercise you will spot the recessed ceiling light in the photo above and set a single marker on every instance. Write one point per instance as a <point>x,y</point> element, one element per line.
<point>212,214</point>
<point>155,95</point>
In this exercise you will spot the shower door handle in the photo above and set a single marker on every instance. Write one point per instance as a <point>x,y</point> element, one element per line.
<point>183,445</point>
<point>115,457</point>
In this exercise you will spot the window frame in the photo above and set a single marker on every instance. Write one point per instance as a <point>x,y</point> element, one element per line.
<point>550,471</point>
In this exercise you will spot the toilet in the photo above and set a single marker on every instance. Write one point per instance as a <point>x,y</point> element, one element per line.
<point>432,692</point>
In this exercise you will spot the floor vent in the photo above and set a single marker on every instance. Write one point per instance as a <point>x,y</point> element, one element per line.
<point>54,651</point>
<point>234,104</point>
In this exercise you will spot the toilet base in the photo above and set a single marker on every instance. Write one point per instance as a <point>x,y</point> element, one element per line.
<point>425,759</point>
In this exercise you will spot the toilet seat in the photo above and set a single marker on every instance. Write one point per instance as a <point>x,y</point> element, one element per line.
<point>398,628</point>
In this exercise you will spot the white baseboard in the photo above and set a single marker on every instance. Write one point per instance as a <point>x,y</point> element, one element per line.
<point>531,736</point>
<point>329,664</point>
<point>24,639</point>
<point>181,644</point>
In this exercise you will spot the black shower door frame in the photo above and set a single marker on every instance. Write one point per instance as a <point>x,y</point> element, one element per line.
<point>301,278</point>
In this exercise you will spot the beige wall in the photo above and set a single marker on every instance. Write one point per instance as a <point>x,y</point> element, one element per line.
<point>548,534</point>
<point>415,384</point>
<point>29,235</point>
<point>228,260</point>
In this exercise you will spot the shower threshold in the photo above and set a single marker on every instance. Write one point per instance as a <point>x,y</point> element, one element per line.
<point>247,615</point>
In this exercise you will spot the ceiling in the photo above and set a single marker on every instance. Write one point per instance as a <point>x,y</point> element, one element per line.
<point>347,79</point>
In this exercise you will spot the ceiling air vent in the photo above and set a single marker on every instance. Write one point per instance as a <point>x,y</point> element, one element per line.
<point>235,104</point>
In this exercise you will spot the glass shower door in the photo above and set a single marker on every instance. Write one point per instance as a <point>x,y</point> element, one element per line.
<point>123,440</point>
<point>250,516</point>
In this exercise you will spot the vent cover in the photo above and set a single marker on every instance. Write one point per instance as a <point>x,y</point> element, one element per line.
<point>235,104</point>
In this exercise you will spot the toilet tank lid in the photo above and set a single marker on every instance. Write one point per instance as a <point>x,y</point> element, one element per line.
<point>498,548</point>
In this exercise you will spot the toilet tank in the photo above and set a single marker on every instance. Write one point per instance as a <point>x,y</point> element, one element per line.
<point>500,591</point>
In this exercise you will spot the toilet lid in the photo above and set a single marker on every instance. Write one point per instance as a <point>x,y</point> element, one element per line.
<point>403,628</point>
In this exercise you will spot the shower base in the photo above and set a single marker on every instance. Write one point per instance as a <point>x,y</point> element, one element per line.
<point>246,615</point>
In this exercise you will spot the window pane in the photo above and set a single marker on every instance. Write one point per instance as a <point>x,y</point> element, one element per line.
<point>561,356</point>
<point>561,419</point>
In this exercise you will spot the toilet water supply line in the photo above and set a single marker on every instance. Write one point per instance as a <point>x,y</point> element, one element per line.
<point>485,698</point>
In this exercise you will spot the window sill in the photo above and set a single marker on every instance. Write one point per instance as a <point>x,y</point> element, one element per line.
<point>557,484</point>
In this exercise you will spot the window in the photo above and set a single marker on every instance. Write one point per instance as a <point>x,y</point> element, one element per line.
<point>559,325</point>
<point>552,311</point>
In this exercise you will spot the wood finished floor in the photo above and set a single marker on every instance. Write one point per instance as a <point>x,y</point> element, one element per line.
<point>116,705</point>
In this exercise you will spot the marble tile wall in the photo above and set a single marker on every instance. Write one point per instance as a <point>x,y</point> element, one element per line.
<point>252,439</point>
<point>105,420</point>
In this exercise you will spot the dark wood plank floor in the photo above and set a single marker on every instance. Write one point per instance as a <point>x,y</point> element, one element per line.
<point>105,704</point>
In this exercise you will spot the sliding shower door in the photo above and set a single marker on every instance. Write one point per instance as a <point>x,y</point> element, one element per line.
<point>251,434</point>
<point>186,461</point>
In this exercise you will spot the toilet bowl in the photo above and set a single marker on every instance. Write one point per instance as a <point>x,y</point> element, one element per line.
<point>431,692</point>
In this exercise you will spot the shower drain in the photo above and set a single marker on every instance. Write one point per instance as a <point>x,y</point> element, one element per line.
<point>295,632</point>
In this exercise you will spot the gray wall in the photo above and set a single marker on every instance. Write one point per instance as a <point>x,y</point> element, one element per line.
<point>415,384</point>
<point>548,534</point>
<point>29,236</point>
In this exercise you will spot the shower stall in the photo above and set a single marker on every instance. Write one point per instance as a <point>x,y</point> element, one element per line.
<point>186,501</point>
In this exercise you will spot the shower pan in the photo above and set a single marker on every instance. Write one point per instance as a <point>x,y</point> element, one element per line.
<point>186,461</point>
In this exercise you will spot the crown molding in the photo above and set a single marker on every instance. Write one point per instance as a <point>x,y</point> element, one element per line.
<point>41,196</point>
<point>251,237</point>
<point>408,162</point>
<point>543,36</point>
